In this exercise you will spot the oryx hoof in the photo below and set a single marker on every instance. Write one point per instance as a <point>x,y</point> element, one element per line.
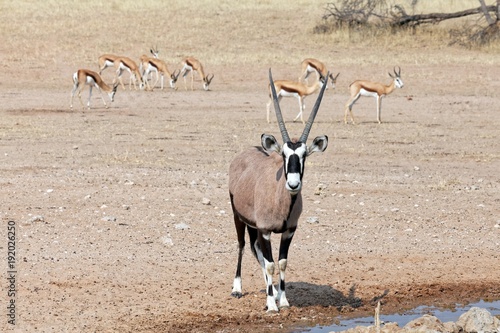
<point>272,311</point>
<point>237,294</point>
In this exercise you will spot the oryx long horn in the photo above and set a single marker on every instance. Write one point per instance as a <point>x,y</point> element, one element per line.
<point>314,111</point>
<point>277,109</point>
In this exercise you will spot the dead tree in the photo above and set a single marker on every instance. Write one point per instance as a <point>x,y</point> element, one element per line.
<point>401,18</point>
<point>379,13</point>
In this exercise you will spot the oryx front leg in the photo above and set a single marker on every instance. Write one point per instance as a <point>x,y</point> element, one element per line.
<point>286,240</point>
<point>264,240</point>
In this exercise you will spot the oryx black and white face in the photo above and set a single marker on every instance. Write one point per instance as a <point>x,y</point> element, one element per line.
<point>294,157</point>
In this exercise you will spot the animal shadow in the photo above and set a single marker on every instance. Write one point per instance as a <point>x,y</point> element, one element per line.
<point>303,294</point>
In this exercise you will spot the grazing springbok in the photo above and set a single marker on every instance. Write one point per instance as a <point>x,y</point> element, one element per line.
<point>298,90</point>
<point>150,65</point>
<point>84,77</point>
<point>126,64</point>
<point>371,89</point>
<point>192,65</point>
<point>105,61</point>
<point>310,65</point>
<point>265,191</point>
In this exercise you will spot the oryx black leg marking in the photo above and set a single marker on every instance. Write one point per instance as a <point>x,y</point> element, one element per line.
<point>264,240</point>
<point>286,240</point>
<point>240,231</point>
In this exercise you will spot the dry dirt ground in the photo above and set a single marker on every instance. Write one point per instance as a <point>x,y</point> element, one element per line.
<point>123,221</point>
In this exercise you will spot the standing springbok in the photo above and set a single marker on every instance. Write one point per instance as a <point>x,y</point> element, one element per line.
<point>155,53</point>
<point>265,192</point>
<point>371,89</point>
<point>298,90</point>
<point>192,65</point>
<point>310,65</point>
<point>84,77</point>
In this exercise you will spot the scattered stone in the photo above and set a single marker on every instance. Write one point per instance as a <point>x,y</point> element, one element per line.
<point>319,189</point>
<point>167,240</point>
<point>37,218</point>
<point>312,219</point>
<point>205,201</point>
<point>182,226</point>
<point>109,218</point>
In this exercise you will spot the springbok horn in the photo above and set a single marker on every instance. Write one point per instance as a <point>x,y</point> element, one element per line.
<point>395,72</point>
<point>279,117</point>
<point>307,129</point>
<point>399,71</point>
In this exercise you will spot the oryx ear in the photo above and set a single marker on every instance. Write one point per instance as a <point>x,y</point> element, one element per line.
<point>319,144</point>
<point>270,144</point>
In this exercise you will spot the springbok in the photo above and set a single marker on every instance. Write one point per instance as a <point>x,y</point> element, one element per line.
<point>84,77</point>
<point>105,61</point>
<point>150,65</point>
<point>192,65</point>
<point>298,90</point>
<point>126,64</point>
<point>155,53</point>
<point>265,191</point>
<point>371,89</point>
<point>310,65</point>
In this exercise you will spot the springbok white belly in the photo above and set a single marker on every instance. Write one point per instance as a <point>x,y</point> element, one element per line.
<point>367,93</point>
<point>285,93</point>
<point>90,81</point>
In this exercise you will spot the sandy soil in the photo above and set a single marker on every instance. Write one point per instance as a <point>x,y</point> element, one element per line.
<point>123,221</point>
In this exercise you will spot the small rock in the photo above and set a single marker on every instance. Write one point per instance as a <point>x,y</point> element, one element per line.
<point>205,201</point>
<point>37,218</point>
<point>312,219</point>
<point>109,218</point>
<point>167,240</point>
<point>182,226</point>
<point>319,189</point>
